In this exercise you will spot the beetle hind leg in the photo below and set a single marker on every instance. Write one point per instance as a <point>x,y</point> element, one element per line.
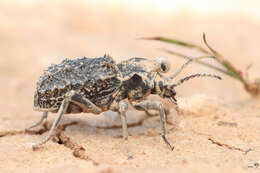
<point>43,117</point>
<point>85,104</point>
<point>158,106</point>
<point>71,97</point>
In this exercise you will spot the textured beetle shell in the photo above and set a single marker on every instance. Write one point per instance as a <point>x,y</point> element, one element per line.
<point>145,68</point>
<point>94,78</point>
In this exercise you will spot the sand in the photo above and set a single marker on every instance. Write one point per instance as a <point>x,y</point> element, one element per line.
<point>217,125</point>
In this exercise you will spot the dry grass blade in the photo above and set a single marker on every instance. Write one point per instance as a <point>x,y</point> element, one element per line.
<point>226,145</point>
<point>223,61</point>
<point>246,71</point>
<point>177,42</point>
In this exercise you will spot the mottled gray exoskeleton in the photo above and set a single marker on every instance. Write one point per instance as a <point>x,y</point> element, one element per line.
<point>95,85</point>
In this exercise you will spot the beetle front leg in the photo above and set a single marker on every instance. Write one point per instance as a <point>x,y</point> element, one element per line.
<point>155,105</point>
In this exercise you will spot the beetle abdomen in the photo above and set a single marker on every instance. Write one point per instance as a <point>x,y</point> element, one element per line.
<point>95,78</point>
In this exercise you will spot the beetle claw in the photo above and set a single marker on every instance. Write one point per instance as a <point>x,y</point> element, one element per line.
<point>173,100</point>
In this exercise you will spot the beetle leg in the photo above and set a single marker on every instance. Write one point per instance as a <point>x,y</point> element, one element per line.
<point>43,117</point>
<point>71,97</point>
<point>155,105</point>
<point>123,107</point>
<point>85,104</point>
<point>62,110</point>
<point>152,114</point>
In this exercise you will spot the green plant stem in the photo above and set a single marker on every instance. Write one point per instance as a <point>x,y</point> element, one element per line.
<point>177,42</point>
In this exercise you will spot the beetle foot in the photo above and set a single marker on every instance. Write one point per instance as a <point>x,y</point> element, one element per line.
<point>167,142</point>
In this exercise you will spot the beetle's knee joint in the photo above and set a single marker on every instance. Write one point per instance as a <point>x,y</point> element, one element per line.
<point>70,94</point>
<point>160,105</point>
<point>123,106</point>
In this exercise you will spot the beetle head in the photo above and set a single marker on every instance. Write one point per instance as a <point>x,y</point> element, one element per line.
<point>166,90</point>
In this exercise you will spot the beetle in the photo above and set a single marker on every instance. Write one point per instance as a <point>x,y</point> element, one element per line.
<point>96,85</point>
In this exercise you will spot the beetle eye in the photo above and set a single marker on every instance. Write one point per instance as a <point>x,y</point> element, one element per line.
<point>164,64</point>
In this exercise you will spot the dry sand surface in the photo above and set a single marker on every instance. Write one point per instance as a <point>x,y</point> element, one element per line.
<point>216,130</point>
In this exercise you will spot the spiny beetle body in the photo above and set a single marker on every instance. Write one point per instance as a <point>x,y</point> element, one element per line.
<point>95,85</point>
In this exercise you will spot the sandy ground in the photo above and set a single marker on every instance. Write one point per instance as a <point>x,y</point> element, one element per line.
<point>216,130</point>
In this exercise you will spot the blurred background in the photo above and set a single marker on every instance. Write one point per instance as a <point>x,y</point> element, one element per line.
<point>35,34</point>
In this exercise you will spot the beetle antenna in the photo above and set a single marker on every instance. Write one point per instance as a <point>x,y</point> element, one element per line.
<point>187,63</point>
<point>196,75</point>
